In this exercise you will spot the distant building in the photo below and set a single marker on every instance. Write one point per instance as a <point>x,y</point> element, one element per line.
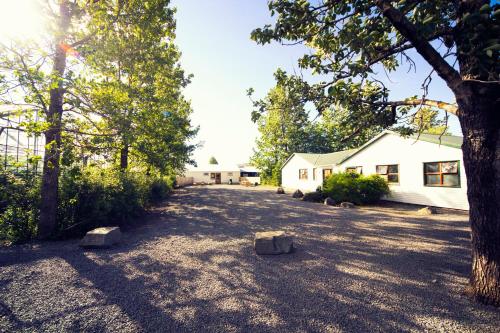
<point>424,169</point>
<point>223,174</point>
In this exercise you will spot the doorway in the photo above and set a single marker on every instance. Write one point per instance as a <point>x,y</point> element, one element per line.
<point>217,177</point>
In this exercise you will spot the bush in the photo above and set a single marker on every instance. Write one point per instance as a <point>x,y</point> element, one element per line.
<point>95,197</point>
<point>19,201</point>
<point>88,198</point>
<point>317,196</point>
<point>355,188</point>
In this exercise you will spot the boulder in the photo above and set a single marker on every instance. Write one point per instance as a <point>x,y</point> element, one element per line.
<point>346,204</point>
<point>101,237</point>
<point>329,202</point>
<point>297,194</point>
<point>280,190</point>
<point>273,242</point>
<point>427,211</point>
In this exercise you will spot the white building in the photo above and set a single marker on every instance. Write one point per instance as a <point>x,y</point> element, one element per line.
<point>423,170</point>
<point>223,174</point>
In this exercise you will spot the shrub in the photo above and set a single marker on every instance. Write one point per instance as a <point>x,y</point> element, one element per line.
<point>94,197</point>
<point>317,196</point>
<point>355,188</point>
<point>19,201</point>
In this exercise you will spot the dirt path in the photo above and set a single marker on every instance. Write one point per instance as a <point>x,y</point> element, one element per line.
<point>194,269</point>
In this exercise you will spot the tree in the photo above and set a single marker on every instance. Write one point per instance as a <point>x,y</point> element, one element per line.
<point>212,160</point>
<point>108,81</point>
<point>282,123</point>
<point>458,39</point>
<point>285,128</point>
<point>426,120</point>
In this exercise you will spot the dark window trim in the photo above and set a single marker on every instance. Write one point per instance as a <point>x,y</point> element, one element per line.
<point>387,174</point>
<point>440,173</point>
<point>323,172</point>
<point>355,167</point>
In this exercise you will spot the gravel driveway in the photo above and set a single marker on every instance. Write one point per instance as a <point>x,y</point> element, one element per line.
<point>191,267</point>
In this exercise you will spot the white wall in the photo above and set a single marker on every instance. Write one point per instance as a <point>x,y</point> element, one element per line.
<point>411,155</point>
<point>200,177</point>
<point>290,175</point>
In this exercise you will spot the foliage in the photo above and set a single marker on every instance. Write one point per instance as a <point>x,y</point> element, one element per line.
<point>355,188</point>
<point>108,83</point>
<point>19,200</point>
<point>317,196</point>
<point>350,40</point>
<point>212,160</point>
<point>426,120</point>
<point>282,123</point>
<point>89,197</point>
<point>94,197</point>
<point>284,128</point>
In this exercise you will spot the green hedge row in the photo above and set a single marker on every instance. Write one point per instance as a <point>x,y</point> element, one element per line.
<point>89,197</point>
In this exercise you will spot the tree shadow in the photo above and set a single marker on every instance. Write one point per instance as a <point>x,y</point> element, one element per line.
<point>191,267</point>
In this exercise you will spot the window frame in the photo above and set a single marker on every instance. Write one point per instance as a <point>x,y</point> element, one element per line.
<point>323,172</point>
<point>355,169</point>
<point>305,173</point>
<point>440,173</point>
<point>388,173</point>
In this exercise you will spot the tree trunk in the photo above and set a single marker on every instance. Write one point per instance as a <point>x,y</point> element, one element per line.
<point>124,157</point>
<point>50,177</point>
<point>480,121</point>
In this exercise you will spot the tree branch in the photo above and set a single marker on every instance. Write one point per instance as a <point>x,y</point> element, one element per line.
<point>448,107</point>
<point>423,47</point>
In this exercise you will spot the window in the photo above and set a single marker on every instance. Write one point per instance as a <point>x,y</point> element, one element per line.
<point>314,173</point>
<point>327,173</point>
<point>356,169</point>
<point>249,174</point>
<point>303,174</point>
<point>229,173</point>
<point>212,175</point>
<point>389,172</point>
<point>205,174</point>
<point>444,174</point>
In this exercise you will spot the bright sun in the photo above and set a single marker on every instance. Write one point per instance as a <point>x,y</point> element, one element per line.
<point>21,19</point>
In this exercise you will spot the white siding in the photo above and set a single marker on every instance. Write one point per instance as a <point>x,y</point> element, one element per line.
<point>204,176</point>
<point>411,155</point>
<point>290,175</point>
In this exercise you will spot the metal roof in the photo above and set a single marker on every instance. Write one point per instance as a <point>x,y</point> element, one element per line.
<point>342,156</point>
<point>445,140</point>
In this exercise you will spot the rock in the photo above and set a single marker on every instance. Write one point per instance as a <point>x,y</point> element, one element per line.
<point>280,190</point>
<point>346,204</point>
<point>101,237</point>
<point>427,211</point>
<point>297,194</point>
<point>329,202</point>
<point>273,242</point>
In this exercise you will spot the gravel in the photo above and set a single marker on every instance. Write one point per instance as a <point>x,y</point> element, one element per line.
<point>191,267</point>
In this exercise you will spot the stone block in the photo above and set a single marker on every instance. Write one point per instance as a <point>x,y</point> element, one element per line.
<point>273,242</point>
<point>101,237</point>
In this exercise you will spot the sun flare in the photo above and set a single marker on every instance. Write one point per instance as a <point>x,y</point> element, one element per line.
<point>21,20</point>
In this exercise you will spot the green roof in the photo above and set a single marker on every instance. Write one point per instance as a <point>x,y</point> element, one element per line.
<point>326,159</point>
<point>445,140</point>
<point>341,156</point>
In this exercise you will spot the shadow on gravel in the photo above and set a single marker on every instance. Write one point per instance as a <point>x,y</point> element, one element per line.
<point>191,267</point>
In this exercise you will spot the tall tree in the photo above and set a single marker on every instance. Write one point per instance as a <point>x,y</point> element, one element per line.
<point>212,160</point>
<point>282,123</point>
<point>458,39</point>
<point>108,79</point>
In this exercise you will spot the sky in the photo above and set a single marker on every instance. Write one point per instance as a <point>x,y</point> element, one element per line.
<point>214,38</point>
